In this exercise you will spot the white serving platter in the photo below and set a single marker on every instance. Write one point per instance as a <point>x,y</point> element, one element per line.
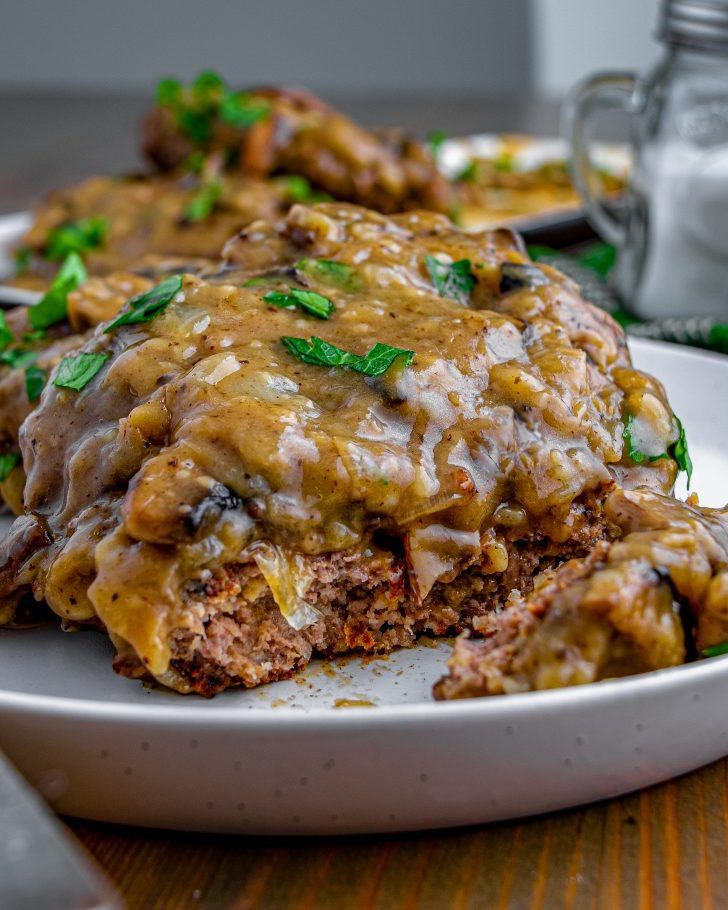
<point>358,745</point>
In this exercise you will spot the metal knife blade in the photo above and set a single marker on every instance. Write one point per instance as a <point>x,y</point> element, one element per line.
<point>40,865</point>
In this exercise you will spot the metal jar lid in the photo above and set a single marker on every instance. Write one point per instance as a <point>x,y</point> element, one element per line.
<point>702,24</point>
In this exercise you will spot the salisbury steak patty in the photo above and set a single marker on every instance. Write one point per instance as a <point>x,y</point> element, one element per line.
<point>358,429</point>
<point>652,597</point>
<point>292,131</point>
<point>221,159</point>
<point>232,632</point>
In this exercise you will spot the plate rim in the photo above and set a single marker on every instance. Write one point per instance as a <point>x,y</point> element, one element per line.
<point>486,707</point>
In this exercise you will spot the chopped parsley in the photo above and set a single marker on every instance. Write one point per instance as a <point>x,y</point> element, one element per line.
<point>169,92</point>
<point>324,354</point>
<point>203,202</point>
<point>538,251</point>
<point>34,335</point>
<point>198,106</point>
<point>505,163</point>
<point>678,450</point>
<point>298,189</point>
<point>35,380</point>
<point>435,141</point>
<point>17,357</point>
<point>22,259</point>
<point>207,81</point>
<point>242,110</point>
<point>195,162</point>
<point>715,650</point>
<point>451,279</point>
<point>53,305</point>
<point>261,281</point>
<point>75,372</point>
<point>145,307</point>
<point>6,336</point>
<point>8,460</point>
<point>469,174</point>
<point>309,301</point>
<point>331,272</point>
<point>600,258</point>
<point>76,237</point>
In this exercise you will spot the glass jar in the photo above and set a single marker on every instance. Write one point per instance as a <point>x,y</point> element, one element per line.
<point>671,227</point>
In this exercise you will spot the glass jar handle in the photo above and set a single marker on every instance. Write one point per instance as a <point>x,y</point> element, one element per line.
<point>597,93</point>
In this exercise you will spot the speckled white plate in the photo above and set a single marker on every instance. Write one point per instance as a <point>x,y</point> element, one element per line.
<point>528,153</point>
<point>358,745</point>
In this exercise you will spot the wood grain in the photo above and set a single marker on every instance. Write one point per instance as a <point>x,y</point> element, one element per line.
<point>665,848</point>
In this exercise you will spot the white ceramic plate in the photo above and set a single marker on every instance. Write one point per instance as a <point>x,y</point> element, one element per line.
<point>529,153</point>
<point>358,745</point>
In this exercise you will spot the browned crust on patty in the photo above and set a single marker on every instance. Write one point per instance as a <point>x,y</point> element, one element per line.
<point>366,605</point>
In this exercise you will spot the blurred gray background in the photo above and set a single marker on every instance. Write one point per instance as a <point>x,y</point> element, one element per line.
<point>75,75</point>
<point>423,46</point>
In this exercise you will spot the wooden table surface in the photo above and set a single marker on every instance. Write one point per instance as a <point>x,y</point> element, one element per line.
<point>661,849</point>
<point>666,847</point>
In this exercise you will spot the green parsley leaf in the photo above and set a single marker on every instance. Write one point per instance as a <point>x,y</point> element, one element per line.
<point>299,189</point>
<point>34,335</point>
<point>242,110</point>
<point>435,141</point>
<point>35,380</point>
<point>538,251</point>
<point>715,650</point>
<point>198,106</point>
<point>195,162</point>
<point>718,337</point>
<point>17,357</point>
<point>203,202</point>
<point>8,460</point>
<point>22,259</point>
<point>505,163</point>
<point>313,303</point>
<point>169,92</point>
<point>453,280</point>
<point>261,281</point>
<point>207,83</point>
<point>145,307</point>
<point>76,237</point>
<point>196,124</point>
<point>331,272</point>
<point>75,372</point>
<point>6,336</point>
<point>469,174</point>
<point>678,451</point>
<point>600,258</point>
<point>324,354</point>
<point>72,271</point>
<point>53,305</point>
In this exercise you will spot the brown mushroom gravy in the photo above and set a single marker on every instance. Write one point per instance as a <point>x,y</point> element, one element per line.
<point>207,464</point>
<point>143,215</point>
